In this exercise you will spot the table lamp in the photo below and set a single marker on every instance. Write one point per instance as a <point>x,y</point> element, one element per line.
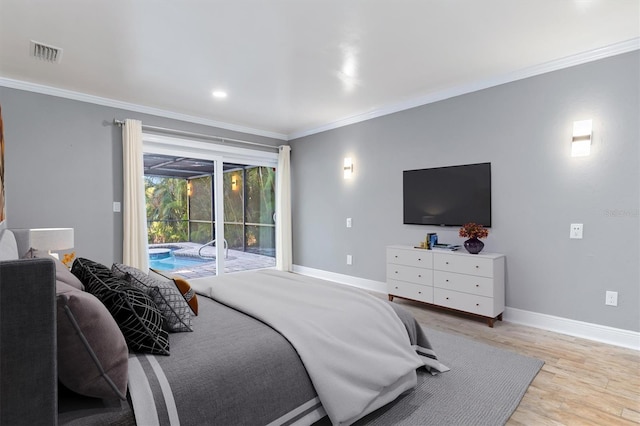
<point>51,239</point>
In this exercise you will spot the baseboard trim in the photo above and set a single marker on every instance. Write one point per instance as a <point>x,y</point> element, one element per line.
<point>599,333</point>
<point>363,283</point>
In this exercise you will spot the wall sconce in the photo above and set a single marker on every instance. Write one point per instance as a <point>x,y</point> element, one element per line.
<point>581,141</point>
<point>348,168</point>
<point>51,239</point>
<point>234,183</point>
<point>189,189</point>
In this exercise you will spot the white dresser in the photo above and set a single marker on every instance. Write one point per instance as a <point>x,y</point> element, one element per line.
<point>472,283</point>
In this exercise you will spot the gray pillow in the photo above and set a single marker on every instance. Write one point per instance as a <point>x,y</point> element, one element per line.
<point>63,274</point>
<point>181,284</point>
<point>92,353</point>
<point>172,305</point>
<point>8,245</point>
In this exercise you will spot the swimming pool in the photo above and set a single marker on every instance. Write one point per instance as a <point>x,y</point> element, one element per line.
<point>175,263</point>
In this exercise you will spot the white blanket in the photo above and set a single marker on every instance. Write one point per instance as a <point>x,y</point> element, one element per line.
<point>353,345</point>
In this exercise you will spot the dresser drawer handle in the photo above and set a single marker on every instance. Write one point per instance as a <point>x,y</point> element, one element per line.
<point>477,304</point>
<point>477,267</point>
<point>447,298</point>
<point>396,287</point>
<point>447,280</point>
<point>419,276</point>
<point>396,272</point>
<point>419,260</point>
<point>477,285</point>
<point>446,263</point>
<point>419,292</point>
<point>396,256</point>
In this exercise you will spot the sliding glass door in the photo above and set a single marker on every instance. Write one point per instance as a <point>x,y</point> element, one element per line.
<point>222,209</point>
<point>249,209</point>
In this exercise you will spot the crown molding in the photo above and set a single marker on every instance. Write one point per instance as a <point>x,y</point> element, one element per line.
<point>83,97</point>
<point>569,61</point>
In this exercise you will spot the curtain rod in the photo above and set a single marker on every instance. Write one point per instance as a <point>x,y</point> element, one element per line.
<point>198,135</point>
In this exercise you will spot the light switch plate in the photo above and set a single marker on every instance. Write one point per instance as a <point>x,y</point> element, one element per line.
<point>349,222</point>
<point>116,207</point>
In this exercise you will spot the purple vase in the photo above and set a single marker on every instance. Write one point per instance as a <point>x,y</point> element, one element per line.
<point>474,245</point>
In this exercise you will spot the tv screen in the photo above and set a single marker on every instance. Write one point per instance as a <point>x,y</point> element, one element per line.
<point>448,196</point>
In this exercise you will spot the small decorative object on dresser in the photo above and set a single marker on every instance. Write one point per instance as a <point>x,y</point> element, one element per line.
<point>432,239</point>
<point>473,232</point>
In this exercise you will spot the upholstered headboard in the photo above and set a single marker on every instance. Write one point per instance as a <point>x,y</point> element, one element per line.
<point>14,243</point>
<point>28,372</point>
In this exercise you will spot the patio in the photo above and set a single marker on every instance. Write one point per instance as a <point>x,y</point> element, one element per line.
<point>235,260</point>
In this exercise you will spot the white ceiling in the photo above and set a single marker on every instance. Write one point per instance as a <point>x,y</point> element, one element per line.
<point>295,67</point>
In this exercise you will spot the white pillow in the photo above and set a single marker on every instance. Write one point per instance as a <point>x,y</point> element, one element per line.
<point>8,245</point>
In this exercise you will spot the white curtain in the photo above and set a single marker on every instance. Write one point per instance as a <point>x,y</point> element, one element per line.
<point>284,256</point>
<point>135,248</point>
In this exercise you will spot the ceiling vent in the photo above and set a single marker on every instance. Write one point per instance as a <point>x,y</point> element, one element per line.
<point>46,53</point>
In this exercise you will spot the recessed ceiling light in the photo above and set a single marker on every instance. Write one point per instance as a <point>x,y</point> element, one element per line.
<point>220,94</point>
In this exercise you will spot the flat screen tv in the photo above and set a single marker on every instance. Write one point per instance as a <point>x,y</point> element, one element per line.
<point>448,196</point>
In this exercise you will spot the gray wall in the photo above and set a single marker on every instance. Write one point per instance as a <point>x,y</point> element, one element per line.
<point>524,129</point>
<point>63,162</point>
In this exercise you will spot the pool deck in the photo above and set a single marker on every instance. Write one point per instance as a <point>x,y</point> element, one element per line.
<point>235,261</point>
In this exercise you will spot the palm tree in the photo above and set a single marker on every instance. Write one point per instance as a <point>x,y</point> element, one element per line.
<point>166,200</point>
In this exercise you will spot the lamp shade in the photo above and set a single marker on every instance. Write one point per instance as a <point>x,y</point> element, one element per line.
<point>51,239</point>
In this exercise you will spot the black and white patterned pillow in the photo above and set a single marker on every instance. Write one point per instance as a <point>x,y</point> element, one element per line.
<point>85,269</point>
<point>136,314</point>
<point>172,305</point>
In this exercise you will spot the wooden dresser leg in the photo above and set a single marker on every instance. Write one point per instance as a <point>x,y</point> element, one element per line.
<point>390,298</point>
<point>500,317</point>
<point>490,322</point>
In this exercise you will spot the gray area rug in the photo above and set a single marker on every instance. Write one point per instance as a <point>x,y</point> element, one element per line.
<point>484,387</point>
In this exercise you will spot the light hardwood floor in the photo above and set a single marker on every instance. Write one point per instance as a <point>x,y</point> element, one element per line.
<point>582,382</point>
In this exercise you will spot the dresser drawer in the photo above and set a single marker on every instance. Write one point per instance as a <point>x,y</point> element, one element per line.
<point>472,265</point>
<point>419,258</point>
<point>464,302</point>
<point>410,291</point>
<point>471,284</point>
<point>410,274</point>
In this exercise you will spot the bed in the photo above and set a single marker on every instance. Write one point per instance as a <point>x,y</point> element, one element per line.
<point>267,348</point>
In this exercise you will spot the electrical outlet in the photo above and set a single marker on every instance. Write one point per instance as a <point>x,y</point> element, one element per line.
<point>576,231</point>
<point>349,222</point>
<point>116,207</point>
<point>349,260</point>
<point>611,298</point>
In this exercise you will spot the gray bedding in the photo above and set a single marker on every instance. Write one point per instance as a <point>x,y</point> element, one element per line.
<point>231,370</point>
<point>353,345</point>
